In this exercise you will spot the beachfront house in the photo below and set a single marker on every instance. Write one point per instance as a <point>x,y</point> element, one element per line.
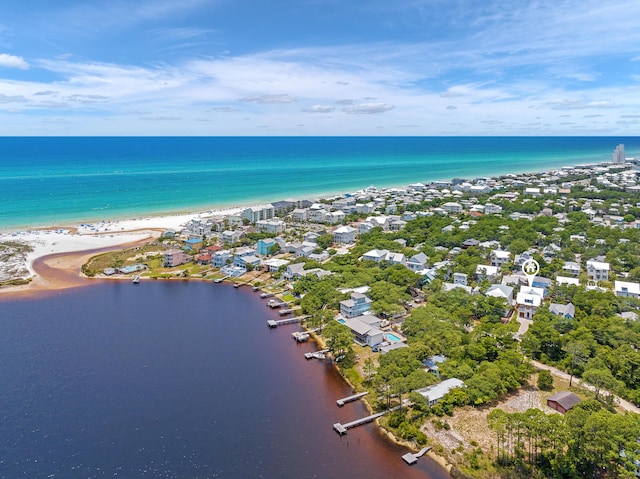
<point>627,290</point>
<point>256,213</point>
<point>174,257</point>
<point>358,305</point>
<point>597,270</point>
<point>436,392</point>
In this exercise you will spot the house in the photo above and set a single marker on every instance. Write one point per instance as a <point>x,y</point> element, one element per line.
<point>567,281</point>
<point>221,258</point>
<point>571,268</point>
<point>563,401</point>
<point>501,291</point>
<point>246,261</point>
<point>264,246</point>
<point>543,283</point>
<point>366,329</point>
<point>452,207</point>
<point>203,258</point>
<point>274,226</point>
<point>471,242</point>
<point>436,392</point>
<point>498,258</point>
<point>431,363</point>
<point>487,272</point>
<point>460,278</point>
<point>274,264</point>
<point>194,244</point>
<point>597,270</point>
<point>174,257</point>
<point>376,255</point>
<point>567,311</point>
<point>344,235</point>
<point>417,262</point>
<point>627,290</point>
<point>358,305</point>
<point>300,214</point>
<point>395,258</point>
<point>231,237</point>
<point>295,270</point>
<point>528,301</point>
<point>535,192</point>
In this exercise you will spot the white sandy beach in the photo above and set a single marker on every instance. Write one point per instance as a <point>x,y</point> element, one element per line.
<point>77,239</point>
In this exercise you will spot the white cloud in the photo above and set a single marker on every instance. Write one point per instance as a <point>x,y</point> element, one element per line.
<point>578,104</point>
<point>270,99</point>
<point>368,108</point>
<point>12,61</point>
<point>319,109</point>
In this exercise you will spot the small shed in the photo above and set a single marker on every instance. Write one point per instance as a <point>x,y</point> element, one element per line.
<point>563,401</point>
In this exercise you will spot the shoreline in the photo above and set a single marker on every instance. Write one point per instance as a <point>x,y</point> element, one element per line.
<point>116,234</point>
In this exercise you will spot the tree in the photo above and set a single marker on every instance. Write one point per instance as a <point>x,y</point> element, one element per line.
<point>369,368</point>
<point>600,379</point>
<point>578,353</point>
<point>545,380</point>
<point>339,342</point>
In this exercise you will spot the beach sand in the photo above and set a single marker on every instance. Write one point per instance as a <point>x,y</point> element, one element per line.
<point>58,253</point>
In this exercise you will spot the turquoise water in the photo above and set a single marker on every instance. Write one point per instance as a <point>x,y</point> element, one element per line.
<point>61,180</point>
<point>392,337</point>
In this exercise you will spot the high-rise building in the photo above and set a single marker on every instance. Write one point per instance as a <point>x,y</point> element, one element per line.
<point>618,154</point>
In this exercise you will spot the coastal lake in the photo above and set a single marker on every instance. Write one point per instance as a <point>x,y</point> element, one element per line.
<point>174,379</point>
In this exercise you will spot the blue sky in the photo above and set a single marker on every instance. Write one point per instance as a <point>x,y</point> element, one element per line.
<point>320,67</point>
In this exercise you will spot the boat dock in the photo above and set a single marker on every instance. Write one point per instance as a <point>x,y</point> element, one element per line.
<point>317,354</point>
<point>411,458</point>
<point>136,279</point>
<point>220,280</point>
<point>300,336</point>
<point>355,397</point>
<point>266,295</point>
<point>275,303</point>
<point>342,428</point>
<point>274,323</point>
<point>284,312</point>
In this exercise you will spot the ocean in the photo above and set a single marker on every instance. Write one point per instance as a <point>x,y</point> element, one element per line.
<point>47,181</point>
<point>174,379</point>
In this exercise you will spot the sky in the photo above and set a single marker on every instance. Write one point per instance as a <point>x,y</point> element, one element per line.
<point>319,67</point>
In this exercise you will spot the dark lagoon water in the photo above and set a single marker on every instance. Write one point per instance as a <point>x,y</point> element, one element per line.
<point>173,380</point>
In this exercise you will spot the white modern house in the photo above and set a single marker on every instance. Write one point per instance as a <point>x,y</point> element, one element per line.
<point>627,290</point>
<point>528,301</point>
<point>358,305</point>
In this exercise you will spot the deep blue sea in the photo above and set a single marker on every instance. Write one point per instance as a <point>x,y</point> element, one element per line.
<point>174,379</point>
<point>62,180</point>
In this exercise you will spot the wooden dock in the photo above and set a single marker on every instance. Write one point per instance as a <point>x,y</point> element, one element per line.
<point>274,323</point>
<point>300,336</point>
<point>266,295</point>
<point>411,458</point>
<point>317,354</point>
<point>342,428</point>
<point>348,399</point>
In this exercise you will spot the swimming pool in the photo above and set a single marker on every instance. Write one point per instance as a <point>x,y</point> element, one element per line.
<point>392,337</point>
